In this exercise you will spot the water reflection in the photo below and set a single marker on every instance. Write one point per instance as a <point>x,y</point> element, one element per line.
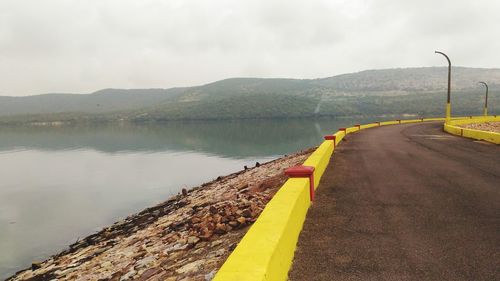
<point>61,183</point>
<point>234,139</point>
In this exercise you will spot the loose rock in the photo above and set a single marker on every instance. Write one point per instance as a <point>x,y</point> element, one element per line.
<point>187,237</point>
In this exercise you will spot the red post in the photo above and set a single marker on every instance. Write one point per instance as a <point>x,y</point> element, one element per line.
<point>399,120</point>
<point>359,126</point>
<point>302,171</point>
<point>333,138</point>
<point>345,131</point>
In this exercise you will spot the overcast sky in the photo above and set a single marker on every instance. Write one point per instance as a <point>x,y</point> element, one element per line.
<point>81,46</point>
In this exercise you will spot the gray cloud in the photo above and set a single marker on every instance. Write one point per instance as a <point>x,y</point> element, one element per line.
<point>83,45</point>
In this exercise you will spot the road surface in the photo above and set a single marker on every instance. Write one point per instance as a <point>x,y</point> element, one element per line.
<point>404,202</point>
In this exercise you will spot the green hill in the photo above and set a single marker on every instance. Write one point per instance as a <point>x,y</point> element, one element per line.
<point>419,91</point>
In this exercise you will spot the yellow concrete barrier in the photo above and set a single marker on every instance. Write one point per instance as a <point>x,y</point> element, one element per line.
<point>367,126</point>
<point>482,135</point>
<point>266,251</point>
<point>453,128</point>
<point>411,121</point>
<point>385,123</point>
<point>338,137</point>
<point>319,159</point>
<point>351,130</point>
<point>435,119</point>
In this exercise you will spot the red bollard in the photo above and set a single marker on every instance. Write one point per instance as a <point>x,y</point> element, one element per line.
<point>359,126</point>
<point>331,137</point>
<point>302,171</point>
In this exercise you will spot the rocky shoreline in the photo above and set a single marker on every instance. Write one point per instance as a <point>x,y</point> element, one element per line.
<point>187,237</point>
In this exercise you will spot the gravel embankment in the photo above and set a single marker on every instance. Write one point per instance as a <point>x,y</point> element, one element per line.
<point>488,126</point>
<point>187,237</point>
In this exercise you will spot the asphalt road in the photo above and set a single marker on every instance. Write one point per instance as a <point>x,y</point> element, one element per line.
<point>404,202</point>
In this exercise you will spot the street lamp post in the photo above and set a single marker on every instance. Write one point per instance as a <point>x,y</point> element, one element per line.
<point>486,100</point>
<point>448,103</point>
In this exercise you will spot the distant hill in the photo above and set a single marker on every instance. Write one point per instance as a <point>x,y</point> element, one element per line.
<point>102,101</point>
<point>418,91</point>
<point>408,80</point>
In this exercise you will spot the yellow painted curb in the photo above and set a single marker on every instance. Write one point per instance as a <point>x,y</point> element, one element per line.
<point>452,128</point>
<point>266,251</point>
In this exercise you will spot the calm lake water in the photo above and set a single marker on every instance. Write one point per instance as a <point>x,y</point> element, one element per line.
<point>58,184</point>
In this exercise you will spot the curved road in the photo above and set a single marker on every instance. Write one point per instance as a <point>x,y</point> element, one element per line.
<point>405,202</point>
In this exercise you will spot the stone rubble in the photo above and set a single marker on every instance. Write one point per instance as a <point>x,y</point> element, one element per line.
<point>188,237</point>
<point>487,126</point>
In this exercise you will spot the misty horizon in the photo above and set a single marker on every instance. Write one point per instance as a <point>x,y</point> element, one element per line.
<point>71,46</point>
<point>241,77</point>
